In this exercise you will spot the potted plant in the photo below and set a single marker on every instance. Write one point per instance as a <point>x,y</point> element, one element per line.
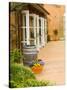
<point>37,66</point>
<point>55,34</point>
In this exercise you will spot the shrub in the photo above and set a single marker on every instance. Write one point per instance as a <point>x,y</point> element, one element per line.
<point>30,83</point>
<point>15,55</point>
<point>19,73</point>
<point>21,76</point>
<point>34,83</point>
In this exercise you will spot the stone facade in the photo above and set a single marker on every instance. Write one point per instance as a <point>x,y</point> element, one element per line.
<point>55,20</point>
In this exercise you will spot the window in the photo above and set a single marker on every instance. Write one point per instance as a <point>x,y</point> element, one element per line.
<point>45,29</point>
<point>33,29</point>
<point>40,31</point>
<point>25,27</point>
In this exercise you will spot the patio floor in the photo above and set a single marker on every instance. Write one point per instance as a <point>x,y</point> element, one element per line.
<point>53,55</point>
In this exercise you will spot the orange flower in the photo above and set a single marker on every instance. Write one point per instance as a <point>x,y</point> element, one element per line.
<point>37,69</point>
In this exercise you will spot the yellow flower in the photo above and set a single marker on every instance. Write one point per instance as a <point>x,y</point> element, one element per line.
<point>36,64</point>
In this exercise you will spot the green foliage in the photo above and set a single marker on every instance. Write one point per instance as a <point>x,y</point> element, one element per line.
<point>19,73</point>
<point>34,83</point>
<point>21,76</point>
<point>15,55</point>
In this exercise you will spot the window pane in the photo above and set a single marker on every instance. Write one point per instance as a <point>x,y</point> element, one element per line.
<point>24,34</point>
<point>31,28</point>
<point>40,31</point>
<point>39,27</point>
<point>31,42</point>
<point>31,21</point>
<point>35,21</point>
<point>31,33</point>
<point>32,36</point>
<point>23,20</point>
<point>39,22</point>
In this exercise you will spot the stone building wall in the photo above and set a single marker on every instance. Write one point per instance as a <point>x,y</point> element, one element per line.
<point>55,20</point>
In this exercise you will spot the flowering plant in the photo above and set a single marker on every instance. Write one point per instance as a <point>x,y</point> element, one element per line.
<point>37,68</point>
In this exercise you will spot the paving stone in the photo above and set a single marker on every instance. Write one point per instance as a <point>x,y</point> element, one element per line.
<point>53,54</point>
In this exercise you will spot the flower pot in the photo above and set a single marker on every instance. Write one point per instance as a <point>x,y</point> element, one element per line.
<point>41,62</point>
<point>37,69</point>
<point>30,54</point>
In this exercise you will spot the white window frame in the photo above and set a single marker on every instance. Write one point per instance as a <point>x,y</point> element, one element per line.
<point>34,27</point>
<point>37,16</point>
<point>36,30</point>
<point>42,32</point>
<point>26,12</point>
<point>45,20</point>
